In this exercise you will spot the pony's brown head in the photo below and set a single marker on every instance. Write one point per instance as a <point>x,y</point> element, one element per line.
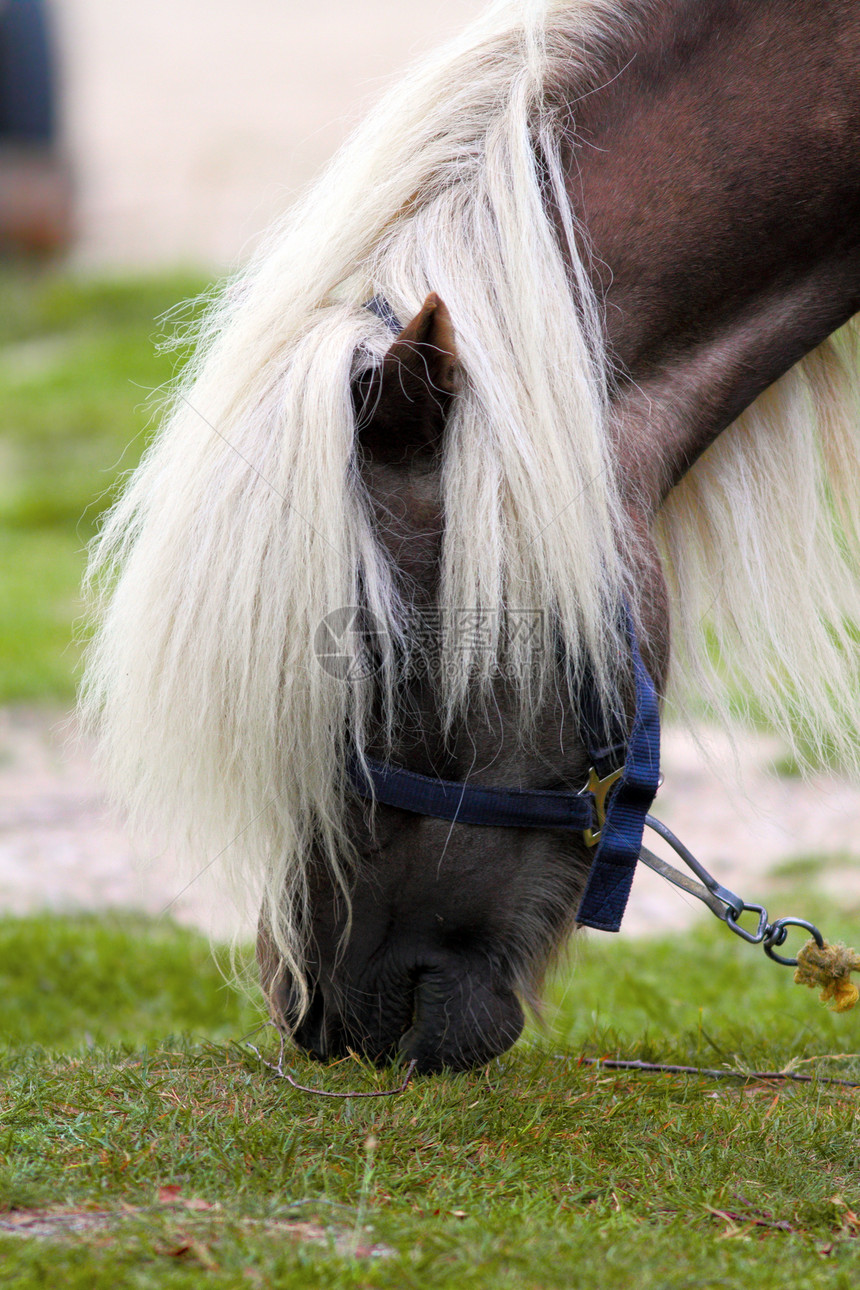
<point>445,927</point>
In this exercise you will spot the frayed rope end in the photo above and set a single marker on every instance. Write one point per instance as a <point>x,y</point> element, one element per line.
<point>829,966</point>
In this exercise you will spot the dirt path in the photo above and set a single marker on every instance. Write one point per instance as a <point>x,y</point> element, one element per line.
<point>60,849</point>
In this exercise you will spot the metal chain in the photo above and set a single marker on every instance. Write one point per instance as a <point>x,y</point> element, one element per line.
<point>723,903</point>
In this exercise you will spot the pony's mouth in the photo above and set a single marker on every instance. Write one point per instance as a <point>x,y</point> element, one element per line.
<point>441,1015</point>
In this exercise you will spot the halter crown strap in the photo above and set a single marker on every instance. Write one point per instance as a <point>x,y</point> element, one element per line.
<point>379,305</point>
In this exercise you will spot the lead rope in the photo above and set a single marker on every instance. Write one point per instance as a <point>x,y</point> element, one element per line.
<point>817,963</point>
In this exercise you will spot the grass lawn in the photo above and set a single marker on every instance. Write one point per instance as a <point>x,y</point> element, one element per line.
<point>166,1155</point>
<point>79,375</point>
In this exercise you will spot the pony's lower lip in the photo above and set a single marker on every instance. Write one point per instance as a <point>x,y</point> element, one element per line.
<point>464,1016</point>
<point>319,1032</point>
<point>429,1016</point>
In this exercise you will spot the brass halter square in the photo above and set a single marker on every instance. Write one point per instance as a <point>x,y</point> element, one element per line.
<point>599,789</point>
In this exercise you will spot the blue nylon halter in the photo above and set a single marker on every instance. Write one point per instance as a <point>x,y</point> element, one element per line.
<point>610,812</point>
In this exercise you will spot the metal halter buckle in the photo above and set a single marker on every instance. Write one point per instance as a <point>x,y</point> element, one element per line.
<point>599,790</point>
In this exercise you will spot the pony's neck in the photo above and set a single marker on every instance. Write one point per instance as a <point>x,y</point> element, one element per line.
<point>720,191</point>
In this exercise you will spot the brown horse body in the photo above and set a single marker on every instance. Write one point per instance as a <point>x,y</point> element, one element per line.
<point>714,164</point>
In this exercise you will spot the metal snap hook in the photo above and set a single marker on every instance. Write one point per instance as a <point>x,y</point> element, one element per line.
<point>725,904</point>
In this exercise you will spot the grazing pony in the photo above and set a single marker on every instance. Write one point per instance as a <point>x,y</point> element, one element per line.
<point>611,230</point>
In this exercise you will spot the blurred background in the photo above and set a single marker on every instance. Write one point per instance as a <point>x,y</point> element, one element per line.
<point>143,149</point>
<point>190,124</point>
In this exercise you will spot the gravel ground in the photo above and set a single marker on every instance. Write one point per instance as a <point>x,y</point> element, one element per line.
<point>60,848</point>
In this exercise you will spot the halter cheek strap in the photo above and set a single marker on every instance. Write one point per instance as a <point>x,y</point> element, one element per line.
<point>620,836</point>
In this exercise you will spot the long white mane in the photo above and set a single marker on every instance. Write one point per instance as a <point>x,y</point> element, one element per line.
<point>246,522</point>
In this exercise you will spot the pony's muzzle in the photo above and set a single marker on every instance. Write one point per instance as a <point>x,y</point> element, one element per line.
<point>443,1016</point>
<point>460,1021</point>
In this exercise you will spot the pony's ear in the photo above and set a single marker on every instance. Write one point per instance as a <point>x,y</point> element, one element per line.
<point>401,406</point>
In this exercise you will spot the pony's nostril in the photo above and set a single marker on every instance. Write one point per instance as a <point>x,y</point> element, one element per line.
<point>311,1032</point>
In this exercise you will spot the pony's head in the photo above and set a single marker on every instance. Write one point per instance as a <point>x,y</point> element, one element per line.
<point>310,465</point>
<point>439,929</point>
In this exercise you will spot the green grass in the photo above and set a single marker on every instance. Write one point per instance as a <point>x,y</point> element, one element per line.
<point>125,1092</point>
<point>79,376</point>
